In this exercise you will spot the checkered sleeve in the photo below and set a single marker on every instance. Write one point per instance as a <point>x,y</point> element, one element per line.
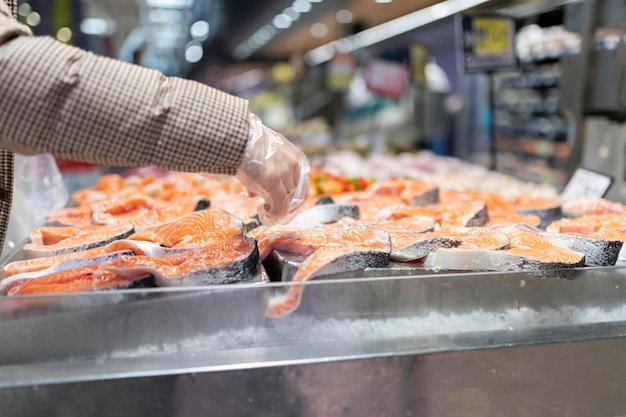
<point>60,99</point>
<point>9,27</point>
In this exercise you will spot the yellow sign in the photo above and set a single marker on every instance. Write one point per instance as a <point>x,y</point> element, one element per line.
<point>491,35</point>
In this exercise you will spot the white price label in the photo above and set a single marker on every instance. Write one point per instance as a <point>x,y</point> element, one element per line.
<point>585,183</point>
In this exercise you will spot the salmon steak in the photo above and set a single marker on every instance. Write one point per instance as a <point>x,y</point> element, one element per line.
<point>226,261</point>
<point>588,224</point>
<point>86,257</point>
<point>598,250</point>
<point>586,205</point>
<point>543,207</point>
<point>78,279</point>
<point>527,250</point>
<point>52,241</point>
<point>411,192</point>
<point>141,211</point>
<point>193,229</point>
<point>357,248</point>
<point>407,247</point>
<point>468,214</point>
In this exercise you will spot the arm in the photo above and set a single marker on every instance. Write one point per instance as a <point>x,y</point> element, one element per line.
<point>59,99</point>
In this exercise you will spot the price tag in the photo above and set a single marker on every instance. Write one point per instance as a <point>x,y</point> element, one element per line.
<point>586,183</point>
<point>491,35</point>
<point>487,43</point>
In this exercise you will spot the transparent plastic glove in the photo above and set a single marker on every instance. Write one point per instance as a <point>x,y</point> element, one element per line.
<point>276,170</point>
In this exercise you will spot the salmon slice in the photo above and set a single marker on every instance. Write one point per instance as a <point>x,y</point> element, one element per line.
<point>502,211</point>
<point>241,206</point>
<point>86,256</point>
<point>71,216</point>
<point>232,260</point>
<point>588,206</point>
<point>527,250</point>
<point>599,249</point>
<point>477,237</point>
<point>368,205</point>
<point>356,248</point>
<point>142,212</point>
<point>52,241</point>
<point>502,219</point>
<point>292,240</point>
<point>193,229</point>
<point>411,224</point>
<point>105,186</point>
<point>78,279</point>
<point>407,247</point>
<point>543,207</point>
<point>588,224</point>
<point>412,192</point>
<point>472,213</point>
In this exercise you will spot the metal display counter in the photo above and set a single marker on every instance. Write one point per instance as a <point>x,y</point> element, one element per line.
<point>478,344</point>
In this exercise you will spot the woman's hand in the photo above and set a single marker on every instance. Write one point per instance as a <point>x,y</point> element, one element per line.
<point>276,170</point>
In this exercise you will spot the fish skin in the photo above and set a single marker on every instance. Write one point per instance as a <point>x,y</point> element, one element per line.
<point>598,252</point>
<point>204,265</point>
<point>37,249</point>
<point>544,214</point>
<point>325,213</point>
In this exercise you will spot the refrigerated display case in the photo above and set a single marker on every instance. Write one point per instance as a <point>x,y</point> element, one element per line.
<point>377,342</point>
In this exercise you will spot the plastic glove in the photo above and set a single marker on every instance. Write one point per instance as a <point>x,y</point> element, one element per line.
<point>274,169</point>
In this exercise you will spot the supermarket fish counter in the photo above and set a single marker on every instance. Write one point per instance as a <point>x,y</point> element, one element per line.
<point>160,293</point>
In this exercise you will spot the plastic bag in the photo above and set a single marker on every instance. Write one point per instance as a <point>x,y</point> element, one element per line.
<point>38,189</point>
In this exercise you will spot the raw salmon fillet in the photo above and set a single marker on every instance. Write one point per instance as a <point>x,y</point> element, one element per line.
<point>51,241</point>
<point>355,249</point>
<point>193,230</point>
<point>141,211</point>
<point>588,224</point>
<point>82,278</point>
<point>586,206</point>
<point>86,256</point>
<point>226,261</point>
<point>466,214</point>
<point>527,250</point>
<point>412,192</point>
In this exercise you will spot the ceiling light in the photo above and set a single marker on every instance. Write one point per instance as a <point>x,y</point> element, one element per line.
<point>344,16</point>
<point>199,30</point>
<point>393,28</point>
<point>167,4</point>
<point>291,13</point>
<point>315,1</point>
<point>24,9</point>
<point>301,6</point>
<point>96,26</point>
<point>33,19</point>
<point>193,52</point>
<point>64,34</point>
<point>318,30</point>
<point>282,21</point>
<point>383,1</point>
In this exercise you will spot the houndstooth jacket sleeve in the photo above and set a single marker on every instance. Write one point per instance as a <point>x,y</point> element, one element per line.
<point>60,99</point>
